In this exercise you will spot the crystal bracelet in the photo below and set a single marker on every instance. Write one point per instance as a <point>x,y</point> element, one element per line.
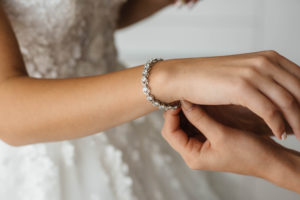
<point>146,89</point>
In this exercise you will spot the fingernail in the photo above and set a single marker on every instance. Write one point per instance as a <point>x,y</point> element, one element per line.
<point>283,136</point>
<point>187,106</point>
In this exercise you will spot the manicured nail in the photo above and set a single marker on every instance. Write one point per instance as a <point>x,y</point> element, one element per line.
<point>283,136</point>
<point>187,106</point>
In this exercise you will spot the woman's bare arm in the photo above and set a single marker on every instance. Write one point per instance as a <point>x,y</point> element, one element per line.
<point>37,110</point>
<point>40,110</point>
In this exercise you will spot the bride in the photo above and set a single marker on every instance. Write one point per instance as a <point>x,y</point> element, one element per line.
<point>79,118</point>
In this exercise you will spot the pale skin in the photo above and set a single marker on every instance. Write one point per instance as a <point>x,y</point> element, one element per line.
<point>44,110</point>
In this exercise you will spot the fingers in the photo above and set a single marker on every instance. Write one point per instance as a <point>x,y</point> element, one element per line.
<point>288,65</point>
<point>282,98</point>
<point>172,133</point>
<point>285,79</point>
<point>284,72</point>
<point>292,83</point>
<point>177,138</point>
<point>209,127</point>
<point>263,107</point>
<point>172,122</point>
<point>287,74</point>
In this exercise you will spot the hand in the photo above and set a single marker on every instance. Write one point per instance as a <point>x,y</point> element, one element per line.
<point>231,150</point>
<point>240,118</point>
<point>264,82</point>
<point>233,116</point>
<point>226,149</point>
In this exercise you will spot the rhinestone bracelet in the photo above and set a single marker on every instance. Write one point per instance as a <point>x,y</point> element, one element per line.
<point>146,89</point>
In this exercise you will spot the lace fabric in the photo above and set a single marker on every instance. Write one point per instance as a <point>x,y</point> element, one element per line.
<point>65,38</point>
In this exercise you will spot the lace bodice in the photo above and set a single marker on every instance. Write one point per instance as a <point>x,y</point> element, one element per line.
<point>65,38</point>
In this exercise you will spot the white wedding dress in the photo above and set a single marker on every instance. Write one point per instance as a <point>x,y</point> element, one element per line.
<point>72,38</point>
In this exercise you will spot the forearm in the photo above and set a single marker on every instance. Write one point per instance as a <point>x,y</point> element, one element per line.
<point>286,171</point>
<point>42,110</point>
<point>136,10</point>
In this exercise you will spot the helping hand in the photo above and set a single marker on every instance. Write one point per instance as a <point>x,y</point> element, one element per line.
<point>231,150</point>
<point>226,149</point>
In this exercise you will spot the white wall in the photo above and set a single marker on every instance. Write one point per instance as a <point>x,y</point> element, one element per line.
<point>219,27</point>
<point>215,27</point>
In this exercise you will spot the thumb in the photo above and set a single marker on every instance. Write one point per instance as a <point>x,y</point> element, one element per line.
<point>201,120</point>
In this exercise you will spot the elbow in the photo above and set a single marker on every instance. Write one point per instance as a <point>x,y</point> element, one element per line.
<point>12,142</point>
<point>12,139</point>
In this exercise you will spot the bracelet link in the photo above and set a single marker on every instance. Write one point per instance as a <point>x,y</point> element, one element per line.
<point>146,90</point>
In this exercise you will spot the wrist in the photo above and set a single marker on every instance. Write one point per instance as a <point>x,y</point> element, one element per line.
<point>163,81</point>
<point>286,171</point>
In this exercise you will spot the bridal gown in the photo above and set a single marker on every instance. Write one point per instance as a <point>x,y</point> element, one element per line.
<point>73,38</point>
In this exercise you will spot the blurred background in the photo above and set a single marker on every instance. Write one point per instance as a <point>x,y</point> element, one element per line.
<point>218,27</point>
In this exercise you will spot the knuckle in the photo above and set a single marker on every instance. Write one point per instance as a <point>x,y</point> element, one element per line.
<point>250,73</point>
<point>194,114</point>
<point>271,53</point>
<point>289,102</point>
<point>272,113</point>
<point>197,147</point>
<point>262,61</point>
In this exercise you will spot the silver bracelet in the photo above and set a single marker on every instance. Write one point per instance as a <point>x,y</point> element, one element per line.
<point>146,89</point>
